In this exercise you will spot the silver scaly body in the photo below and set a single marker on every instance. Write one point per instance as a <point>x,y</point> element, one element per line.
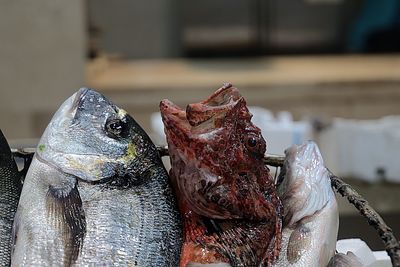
<point>130,227</point>
<point>96,193</point>
<point>311,213</point>
<point>10,189</point>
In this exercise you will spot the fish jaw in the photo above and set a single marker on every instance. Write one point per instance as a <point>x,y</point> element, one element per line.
<point>215,107</point>
<point>64,144</point>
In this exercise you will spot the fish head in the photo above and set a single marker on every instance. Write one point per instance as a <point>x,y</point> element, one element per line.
<point>306,186</point>
<point>217,157</point>
<point>93,139</point>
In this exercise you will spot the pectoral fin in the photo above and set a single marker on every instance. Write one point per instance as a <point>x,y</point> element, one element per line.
<point>244,243</point>
<point>299,242</point>
<point>67,215</point>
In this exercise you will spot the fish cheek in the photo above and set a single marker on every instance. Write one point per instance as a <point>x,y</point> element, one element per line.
<point>299,241</point>
<point>67,215</point>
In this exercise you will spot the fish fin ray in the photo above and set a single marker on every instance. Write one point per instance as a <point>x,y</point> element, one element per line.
<point>67,214</point>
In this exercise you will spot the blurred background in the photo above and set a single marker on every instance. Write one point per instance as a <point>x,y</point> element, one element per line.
<point>327,70</point>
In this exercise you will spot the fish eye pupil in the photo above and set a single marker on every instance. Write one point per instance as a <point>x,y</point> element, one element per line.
<point>115,128</point>
<point>252,142</point>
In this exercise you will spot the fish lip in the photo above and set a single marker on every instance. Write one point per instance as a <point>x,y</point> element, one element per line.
<point>168,108</point>
<point>198,114</point>
<point>79,97</point>
<point>199,117</point>
<point>173,115</point>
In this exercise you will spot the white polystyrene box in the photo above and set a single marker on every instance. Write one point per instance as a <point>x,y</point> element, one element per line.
<point>367,257</point>
<point>363,149</point>
<point>382,259</point>
<point>280,132</point>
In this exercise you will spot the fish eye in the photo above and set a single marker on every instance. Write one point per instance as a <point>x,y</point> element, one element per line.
<point>115,128</point>
<point>251,142</point>
<point>255,144</point>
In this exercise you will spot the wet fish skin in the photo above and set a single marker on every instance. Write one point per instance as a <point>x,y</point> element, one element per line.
<point>311,214</point>
<point>226,194</point>
<point>96,193</point>
<point>10,190</point>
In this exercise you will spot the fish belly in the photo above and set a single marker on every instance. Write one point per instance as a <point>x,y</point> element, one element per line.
<point>312,242</point>
<point>122,227</point>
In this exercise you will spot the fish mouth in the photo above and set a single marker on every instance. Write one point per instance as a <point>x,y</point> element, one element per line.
<point>204,116</point>
<point>174,118</point>
<point>216,106</point>
<point>78,100</point>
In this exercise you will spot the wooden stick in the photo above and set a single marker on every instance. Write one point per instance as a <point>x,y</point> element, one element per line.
<point>374,219</point>
<point>345,190</point>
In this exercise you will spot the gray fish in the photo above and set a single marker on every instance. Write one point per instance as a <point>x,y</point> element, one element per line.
<point>96,193</point>
<point>345,260</point>
<point>10,190</point>
<point>311,217</point>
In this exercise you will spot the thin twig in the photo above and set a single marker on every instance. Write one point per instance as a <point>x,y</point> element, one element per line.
<point>163,151</point>
<point>274,160</point>
<point>374,219</point>
<point>345,190</point>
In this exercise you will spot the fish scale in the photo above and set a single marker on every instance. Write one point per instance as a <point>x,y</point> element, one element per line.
<point>96,193</point>
<point>229,202</point>
<point>151,215</point>
<point>10,190</point>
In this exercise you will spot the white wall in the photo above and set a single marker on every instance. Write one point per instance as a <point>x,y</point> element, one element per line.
<point>42,56</point>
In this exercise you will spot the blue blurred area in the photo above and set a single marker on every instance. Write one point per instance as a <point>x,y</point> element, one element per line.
<point>224,28</point>
<point>376,28</point>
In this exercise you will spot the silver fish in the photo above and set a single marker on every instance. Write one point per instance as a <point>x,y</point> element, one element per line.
<point>345,260</point>
<point>10,190</point>
<point>310,210</point>
<point>96,193</point>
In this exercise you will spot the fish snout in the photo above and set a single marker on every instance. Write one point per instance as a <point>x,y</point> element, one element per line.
<point>79,97</point>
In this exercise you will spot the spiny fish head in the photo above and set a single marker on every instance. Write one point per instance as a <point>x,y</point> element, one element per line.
<point>93,139</point>
<point>219,157</point>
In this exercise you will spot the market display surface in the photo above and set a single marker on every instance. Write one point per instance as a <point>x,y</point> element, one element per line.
<point>96,193</point>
